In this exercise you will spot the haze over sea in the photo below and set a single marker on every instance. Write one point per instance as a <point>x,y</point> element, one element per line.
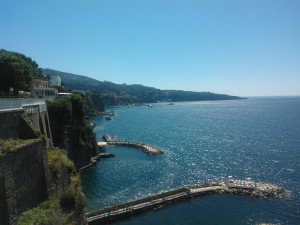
<point>256,137</point>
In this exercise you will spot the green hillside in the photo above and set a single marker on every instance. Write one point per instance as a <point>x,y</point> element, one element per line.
<point>135,93</point>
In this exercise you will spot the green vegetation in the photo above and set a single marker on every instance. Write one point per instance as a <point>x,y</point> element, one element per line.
<point>65,114</point>
<point>60,113</point>
<point>17,72</point>
<point>122,94</point>
<point>57,160</point>
<point>7,145</point>
<point>93,104</point>
<point>48,213</point>
<point>44,214</point>
<point>39,134</point>
<point>77,109</point>
<point>68,204</point>
<point>70,130</point>
<point>73,197</point>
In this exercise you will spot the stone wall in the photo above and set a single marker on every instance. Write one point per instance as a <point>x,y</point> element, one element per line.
<point>3,205</point>
<point>13,125</point>
<point>22,124</point>
<point>9,124</point>
<point>24,179</point>
<point>38,121</point>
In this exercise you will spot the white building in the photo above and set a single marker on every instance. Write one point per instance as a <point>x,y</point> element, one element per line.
<point>55,81</point>
<point>40,89</point>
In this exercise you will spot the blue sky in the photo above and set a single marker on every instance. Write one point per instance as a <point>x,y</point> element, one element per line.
<point>238,47</point>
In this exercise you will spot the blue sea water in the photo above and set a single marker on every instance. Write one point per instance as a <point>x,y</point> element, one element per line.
<point>256,137</point>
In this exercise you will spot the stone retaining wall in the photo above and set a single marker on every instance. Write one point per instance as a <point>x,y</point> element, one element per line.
<point>24,179</point>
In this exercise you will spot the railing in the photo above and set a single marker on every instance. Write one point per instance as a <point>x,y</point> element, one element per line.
<point>19,103</point>
<point>10,103</point>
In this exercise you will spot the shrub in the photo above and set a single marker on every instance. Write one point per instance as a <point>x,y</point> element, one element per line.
<point>39,134</point>
<point>57,159</point>
<point>44,214</point>
<point>73,197</point>
<point>7,145</point>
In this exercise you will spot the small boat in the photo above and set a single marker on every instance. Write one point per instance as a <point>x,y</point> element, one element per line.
<point>108,118</point>
<point>171,103</point>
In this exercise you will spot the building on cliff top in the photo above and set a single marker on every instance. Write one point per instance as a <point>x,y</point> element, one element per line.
<point>41,89</point>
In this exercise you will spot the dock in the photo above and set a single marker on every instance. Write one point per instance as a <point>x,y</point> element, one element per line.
<point>160,200</point>
<point>106,215</point>
<point>148,149</point>
<point>95,159</point>
<point>111,140</point>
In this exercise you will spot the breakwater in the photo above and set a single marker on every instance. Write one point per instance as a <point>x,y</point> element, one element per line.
<point>160,200</point>
<point>148,149</point>
<point>112,141</point>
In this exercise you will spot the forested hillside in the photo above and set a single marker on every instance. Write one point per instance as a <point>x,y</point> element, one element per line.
<point>135,93</point>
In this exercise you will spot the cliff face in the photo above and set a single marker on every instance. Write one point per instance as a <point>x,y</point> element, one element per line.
<point>13,125</point>
<point>71,131</point>
<point>34,186</point>
<point>94,103</point>
<point>81,145</point>
<point>24,179</point>
<point>67,201</point>
<point>66,184</point>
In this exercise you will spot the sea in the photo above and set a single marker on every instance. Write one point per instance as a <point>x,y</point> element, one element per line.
<point>203,141</point>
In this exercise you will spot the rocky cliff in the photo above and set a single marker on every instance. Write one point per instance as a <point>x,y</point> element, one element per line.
<point>71,131</point>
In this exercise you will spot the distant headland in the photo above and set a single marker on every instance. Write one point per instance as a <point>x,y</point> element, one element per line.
<point>122,94</point>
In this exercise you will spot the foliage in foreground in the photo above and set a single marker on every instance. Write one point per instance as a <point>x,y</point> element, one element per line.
<point>47,213</point>
<point>7,145</point>
<point>72,197</point>
<point>57,159</point>
<point>66,208</point>
<point>43,214</point>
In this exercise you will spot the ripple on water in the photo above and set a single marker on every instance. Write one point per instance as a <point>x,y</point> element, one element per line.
<point>202,141</point>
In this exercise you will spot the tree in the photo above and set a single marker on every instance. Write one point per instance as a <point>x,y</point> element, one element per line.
<point>17,71</point>
<point>60,115</point>
<point>77,109</point>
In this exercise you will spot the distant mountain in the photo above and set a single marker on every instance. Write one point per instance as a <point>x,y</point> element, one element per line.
<point>124,93</point>
<point>80,82</point>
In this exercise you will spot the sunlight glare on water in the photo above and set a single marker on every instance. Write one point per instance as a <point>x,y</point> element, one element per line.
<point>258,138</point>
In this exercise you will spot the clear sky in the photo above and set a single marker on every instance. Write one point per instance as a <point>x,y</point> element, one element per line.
<point>238,47</point>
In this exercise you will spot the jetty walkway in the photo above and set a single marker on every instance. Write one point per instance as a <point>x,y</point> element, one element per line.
<point>121,211</point>
<point>95,159</point>
<point>110,140</point>
<point>148,149</point>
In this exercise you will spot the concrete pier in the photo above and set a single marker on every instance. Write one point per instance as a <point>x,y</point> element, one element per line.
<point>111,140</point>
<point>95,159</point>
<point>121,211</point>
<point>130,208</point>
<point>148,149</point>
